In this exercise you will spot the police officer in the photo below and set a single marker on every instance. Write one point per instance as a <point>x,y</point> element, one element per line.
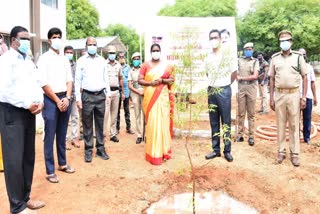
<point>115,81</point>
<point>285,70</point>
<point>247,91</point>
<point>262,83</point>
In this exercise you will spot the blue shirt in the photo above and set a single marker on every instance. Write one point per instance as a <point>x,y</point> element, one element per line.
<point>125,74</point>
<point>19,80</point>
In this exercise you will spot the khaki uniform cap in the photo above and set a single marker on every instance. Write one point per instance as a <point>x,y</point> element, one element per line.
<point>248,45</point>
<point>289,35</point>
<point>111,49</point>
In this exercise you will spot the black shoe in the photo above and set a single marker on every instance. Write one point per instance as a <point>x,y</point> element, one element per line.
<point>88,157</point>
<point>251,141</point>
<point>240,139</point>
<point>129,131</point>
<point>213,155</point>
<point>103,155</point>
<point>114,139</point>
<point>228,157</point>
<point>139,140</point>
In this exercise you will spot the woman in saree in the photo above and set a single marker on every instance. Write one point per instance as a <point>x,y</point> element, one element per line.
<point>157,78</point>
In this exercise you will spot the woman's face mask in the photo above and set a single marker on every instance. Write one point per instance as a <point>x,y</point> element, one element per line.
<point>155,55</point>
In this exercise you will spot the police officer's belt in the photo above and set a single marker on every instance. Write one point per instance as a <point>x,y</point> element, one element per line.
<point>114,88</point>
<point>93,92</point>
<point>287,90</point>
<point>246,82</point>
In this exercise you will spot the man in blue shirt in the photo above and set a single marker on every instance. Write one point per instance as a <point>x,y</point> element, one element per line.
<point>125,73</point>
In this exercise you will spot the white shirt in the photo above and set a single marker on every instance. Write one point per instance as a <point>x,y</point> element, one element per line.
<point>310,77</point>
<point>55,71</point>
<point>219,67</point>
<point>19,80</point>
<point>91,75</point>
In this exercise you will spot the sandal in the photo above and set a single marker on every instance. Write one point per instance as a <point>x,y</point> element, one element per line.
<point>52,178</point>
<point>76,144</point>
<point>68,147</point>
<point>67,169</point>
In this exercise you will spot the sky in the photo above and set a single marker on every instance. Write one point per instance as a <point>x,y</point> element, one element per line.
<point>136,13</point>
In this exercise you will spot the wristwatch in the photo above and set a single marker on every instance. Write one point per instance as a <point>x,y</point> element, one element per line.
<point>304,99</point>
<point>69,98</point>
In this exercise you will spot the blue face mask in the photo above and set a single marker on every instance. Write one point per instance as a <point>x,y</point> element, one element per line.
<point>112,57</point>
<point>136,62</point>
<point>248,54</point>
<point>92,50</point>
<point>69,56</point>
<point>285,45</point>
<point>24,46</point>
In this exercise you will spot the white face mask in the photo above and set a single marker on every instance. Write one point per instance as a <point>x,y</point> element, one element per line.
<point>155,55</point>
<point>214,43</point>
<point>56,43</point>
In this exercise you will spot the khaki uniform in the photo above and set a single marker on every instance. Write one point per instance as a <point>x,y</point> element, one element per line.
<point>247,94</point>
<point>287,73</point>
<point>114,71</point>
<point>262,83</point>
<point>137,100</point>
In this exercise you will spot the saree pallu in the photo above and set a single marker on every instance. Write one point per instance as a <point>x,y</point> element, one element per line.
<point>1,161</point>
<point>157,107</point>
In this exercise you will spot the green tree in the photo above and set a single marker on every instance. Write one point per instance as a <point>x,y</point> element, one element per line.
<point>82,19</point>
<point>269,17</point>
<point>200,8</point>
<point>128,37</point>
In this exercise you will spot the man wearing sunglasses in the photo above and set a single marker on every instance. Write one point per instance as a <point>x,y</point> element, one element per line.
<point>285,70</point>
<point>20,100</point>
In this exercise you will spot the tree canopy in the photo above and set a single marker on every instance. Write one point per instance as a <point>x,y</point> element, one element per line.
<point>262,25</point>
<point>128,36</point>
<point>82,19</point>
<point>200,8</point>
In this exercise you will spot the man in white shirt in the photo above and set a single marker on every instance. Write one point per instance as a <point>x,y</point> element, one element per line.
<point>56,82</point>
<point>92,79</point>
<point>222,71</point>
<point>311,93</point>
<point>20,100</point>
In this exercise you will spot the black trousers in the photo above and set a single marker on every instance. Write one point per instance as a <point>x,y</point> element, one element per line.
<point>17,128</point>
<point>93,109</point>
<point>126,109</point>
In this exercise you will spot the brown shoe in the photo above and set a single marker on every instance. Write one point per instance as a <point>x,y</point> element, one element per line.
<point>34,205</point>
<point>280,158</point>
<point>295,161</point>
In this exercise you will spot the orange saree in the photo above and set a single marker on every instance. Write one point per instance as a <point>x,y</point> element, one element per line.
<point>158,108</point>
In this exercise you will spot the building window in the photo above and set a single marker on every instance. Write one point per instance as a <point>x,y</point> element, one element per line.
<point>50,3</point>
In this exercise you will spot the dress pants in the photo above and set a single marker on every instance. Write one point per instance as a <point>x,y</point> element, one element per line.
<point>93,110</point>
<point>55,126</point>
<point>246,105</point>
<point>112,108</point>
<point>74,120</point>
<point>287,108</point>
<point>18,128</point>
<point>307,120</point>
<point>138,112</point>
<point>126,109</point>
<point>219,101</point>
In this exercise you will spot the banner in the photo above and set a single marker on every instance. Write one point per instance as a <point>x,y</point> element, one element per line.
<point>179,36</point>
